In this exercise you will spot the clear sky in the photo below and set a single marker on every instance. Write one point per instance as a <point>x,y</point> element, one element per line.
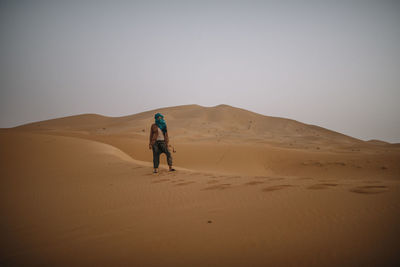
<point>335,64</point>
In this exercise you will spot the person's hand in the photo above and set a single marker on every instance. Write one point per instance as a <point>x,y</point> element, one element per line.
<point>150,146</point>
<point>173,149</point>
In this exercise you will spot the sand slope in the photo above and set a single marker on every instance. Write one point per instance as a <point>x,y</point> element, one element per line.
<point>75,194</point>
<point>229,139</point>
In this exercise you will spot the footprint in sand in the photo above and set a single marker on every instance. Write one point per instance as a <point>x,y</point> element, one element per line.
<point>372,182</point>
<point>254,183</point>
<point>262,177</point>
<point>306,178</point>
<point>185,183</point>
<point>217,187</point>
<point>275,178</point>
<point>160,181</point>
<point>322,186</point>
<point>369,189</point>
<point>276,187</point>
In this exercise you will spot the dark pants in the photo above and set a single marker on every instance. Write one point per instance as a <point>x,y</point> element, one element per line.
<point>160,147</point>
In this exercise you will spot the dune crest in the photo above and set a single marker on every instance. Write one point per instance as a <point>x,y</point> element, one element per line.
<point>234,140</point>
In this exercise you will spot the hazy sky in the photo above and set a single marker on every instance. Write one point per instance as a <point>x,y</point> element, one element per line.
<point>335,64</point>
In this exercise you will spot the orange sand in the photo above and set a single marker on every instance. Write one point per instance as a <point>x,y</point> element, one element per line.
<point>250,190</point>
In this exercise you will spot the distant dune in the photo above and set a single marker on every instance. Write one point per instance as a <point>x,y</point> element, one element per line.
<point>233,140</point>
<point>249,190</point>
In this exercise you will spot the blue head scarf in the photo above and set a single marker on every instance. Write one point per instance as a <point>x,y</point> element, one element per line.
<point>160,122</point>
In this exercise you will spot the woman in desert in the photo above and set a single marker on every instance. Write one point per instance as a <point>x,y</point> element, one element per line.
<point>159,142</point>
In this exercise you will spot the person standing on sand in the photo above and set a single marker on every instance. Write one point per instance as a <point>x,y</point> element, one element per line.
<point>159,142</point>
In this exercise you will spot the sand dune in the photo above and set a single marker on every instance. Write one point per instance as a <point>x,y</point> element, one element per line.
<point>250,190</point>
<point>233,140</point>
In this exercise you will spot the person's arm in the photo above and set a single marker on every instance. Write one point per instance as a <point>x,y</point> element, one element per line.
<point>166,138</point>
<point>151,135</point>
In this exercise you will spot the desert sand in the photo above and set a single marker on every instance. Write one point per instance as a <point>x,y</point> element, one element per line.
<point>249,190</point>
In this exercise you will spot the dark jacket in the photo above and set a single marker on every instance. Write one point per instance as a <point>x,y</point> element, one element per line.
<point>154,134</point>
